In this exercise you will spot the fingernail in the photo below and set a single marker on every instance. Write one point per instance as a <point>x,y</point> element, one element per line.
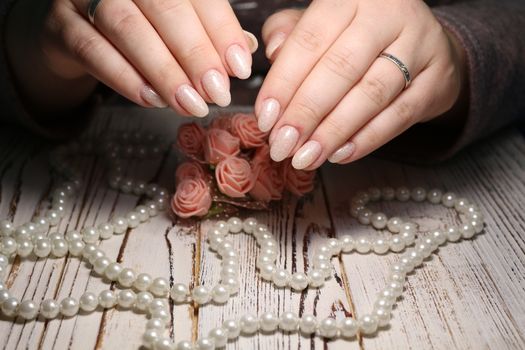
<point>191,101</point>
<point>152,97</point>
<point>284,143</point>
<point>268,114</point>
<point>342,153</point>
<point>306,155</point>
<point>274,43</point>
<point>215,86</point>
<point>253,43</point>
<point>239,61</point>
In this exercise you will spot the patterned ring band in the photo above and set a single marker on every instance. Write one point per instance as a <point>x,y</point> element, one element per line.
<point>92,8</point>
<point>402,67</point>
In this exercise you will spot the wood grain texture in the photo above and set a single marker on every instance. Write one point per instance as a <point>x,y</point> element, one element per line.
<point>469,296</point>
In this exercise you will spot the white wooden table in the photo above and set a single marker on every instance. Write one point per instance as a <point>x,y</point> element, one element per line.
<point>470,296</point>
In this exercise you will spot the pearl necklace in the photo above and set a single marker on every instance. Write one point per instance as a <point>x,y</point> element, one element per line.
<point>143,293</point>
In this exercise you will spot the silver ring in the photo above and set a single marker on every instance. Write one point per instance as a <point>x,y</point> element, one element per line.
<point>92,8</point>
<point>402,67</point>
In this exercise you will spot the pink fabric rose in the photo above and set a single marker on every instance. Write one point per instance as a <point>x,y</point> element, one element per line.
<point>245,127</point>
<point>298,182</point>
<point>234,177</point>
<point>223,122</point>
<point>262,154</point>
<point>189,170</point>
<point>192,198</point>
<point>269,184</point>
<point>190,139</point>
<point>219,145</point>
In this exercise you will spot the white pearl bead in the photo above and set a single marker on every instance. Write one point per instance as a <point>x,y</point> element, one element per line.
<point>334,245</point>
<point>107,299</point>
<point>106,230</point>
<point>95,255</point>
<point>249,224</point>
<point>143,300</point>
<point>249,324</point>
<point>394,224</point>
<point>398,268</point>
<point>402,194</point>
<point>201,295</point>
<point>467,231</point>
<point>88,302</point>
<point>385,303</point>
<point>179,293</point>
<point>184,345</point>
<point>368,324</point>
<point>418,194</point>
<point>76,247</point>
<point>408,237</point>
<point>396,288</point>
<point>163,314</point>
<point>158,304</point>
<point>142,212</point>
<point>347,243</point>
<point>407,262</point>
<point>348,327</point>
<point>133,219</point>
<point>142,282</point>
<point>100,265</point>
<point>4,295</point>
<point>355,209</point>
<point>235,224</point>
<point>289,322</point>
<point>268,322</point>
<point>316,278</point>
<point>397,244</point>
<point>281,277</point>
<point>364,216</point>
<point>8,246</point>
<point>150,336</point>
<point>461,204</point>
<point>424,249</point>
<point>10,307</point>
<point>379,221</point>
<point>120,225</point>
<point>308,324</point>
<point>126,277</point>
<point>90,234</point>
<point>299,281</point>
<point>155,323</point>
<point>381,246</point>
<point>363,245</point>
<point>153,209</point>
<point>264,260</point>
<point>4,261</point>
<point>416,257</point>
<point>220,294</point>
<point>219,336</point>
<point>232,284</point>
<point>205,344</point>
<point>59,247</point>
<point>69,307</point>
<point>49,309</point>
<point>53,217</point>
<point>163,343</point>
<point>6,228</point>
<point>267,271</point>
<point>453,234</point>
<point>55,235</point>
<point>24,248</point>
<point>233,328</point>
<point>27,309</point>
<point>328,328</point>
<point>42,248</point>
<point>388,193</point>
<point>439,237</point>
<point>159,286</point>
<point>434,196</point>
<point>448,199</point>
<point>383,316</point>
<point>374,193</point>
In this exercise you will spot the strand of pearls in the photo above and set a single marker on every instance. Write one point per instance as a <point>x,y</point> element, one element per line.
<point>145,294</point>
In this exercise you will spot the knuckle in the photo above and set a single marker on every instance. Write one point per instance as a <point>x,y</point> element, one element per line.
<point>375,90</point>
<point>165,75</point>
<point>195,52</point>
<point>167,6</point>
<point>307,110</point>
<point>334,130</point>
<point>124,22</point>
<point>83,46</point>
<point>309,39</point>
<point>404,112</point>
<point>341,63</point>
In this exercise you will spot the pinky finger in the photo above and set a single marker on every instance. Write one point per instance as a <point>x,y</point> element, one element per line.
<point>105,63</point>
<point>410,107</point>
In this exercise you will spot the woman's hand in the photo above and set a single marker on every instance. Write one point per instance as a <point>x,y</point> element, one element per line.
<point>157,53</point>
<point>329,96</point>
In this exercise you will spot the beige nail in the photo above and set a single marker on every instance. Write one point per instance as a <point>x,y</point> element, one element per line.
<point>268,114</point>
<point>307,155</point>
<point>191,101</point>
<point>274,43</point>
<point>239,61</point>
<point>342,153</point>
<point>216,87</point>
<point>152,97</point>
<point>253,43</point>
<point>284,143</point>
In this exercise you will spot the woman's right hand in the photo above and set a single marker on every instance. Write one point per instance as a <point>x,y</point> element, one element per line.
<point>157,53</point>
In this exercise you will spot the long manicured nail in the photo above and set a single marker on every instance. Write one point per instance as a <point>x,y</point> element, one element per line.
<point>268,114</point>
<point>215,86</point>
<point>152,97</point>
<point>284,143</point>
<point>274,43</point>
<point>306,155</point>
<point>253,43</point>
<point>240,61</point>
<point>342,153</point>
<point>191,101</point>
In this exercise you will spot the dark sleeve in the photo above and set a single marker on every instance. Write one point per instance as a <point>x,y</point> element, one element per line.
<point>493,36</point>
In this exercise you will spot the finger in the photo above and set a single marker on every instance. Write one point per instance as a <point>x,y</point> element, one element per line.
<point>312,36</point>
<point>374,92</point>
<point>191,46</point>
<point>227,36</point>
<point>343,65</point>
<point>277,28</point>
<point>124,25</point>
<point>414,104</point>
<point>104,62</point>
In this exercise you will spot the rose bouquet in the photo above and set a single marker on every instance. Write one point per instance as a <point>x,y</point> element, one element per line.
<point>227,164</point>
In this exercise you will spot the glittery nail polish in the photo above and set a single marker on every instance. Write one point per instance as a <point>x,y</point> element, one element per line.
<point>152,97</point>
<point>239,61</point>
<point>268,114</point>
<point>307,155</point>
<point>214,84</point>
<point>284,143</point>
<point>342,153</point>
<point>191,101</point>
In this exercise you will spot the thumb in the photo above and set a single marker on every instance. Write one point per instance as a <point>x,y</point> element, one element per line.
<point>277,28</point>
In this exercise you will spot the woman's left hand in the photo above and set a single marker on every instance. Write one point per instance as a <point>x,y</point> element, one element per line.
<point>330,96</point>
